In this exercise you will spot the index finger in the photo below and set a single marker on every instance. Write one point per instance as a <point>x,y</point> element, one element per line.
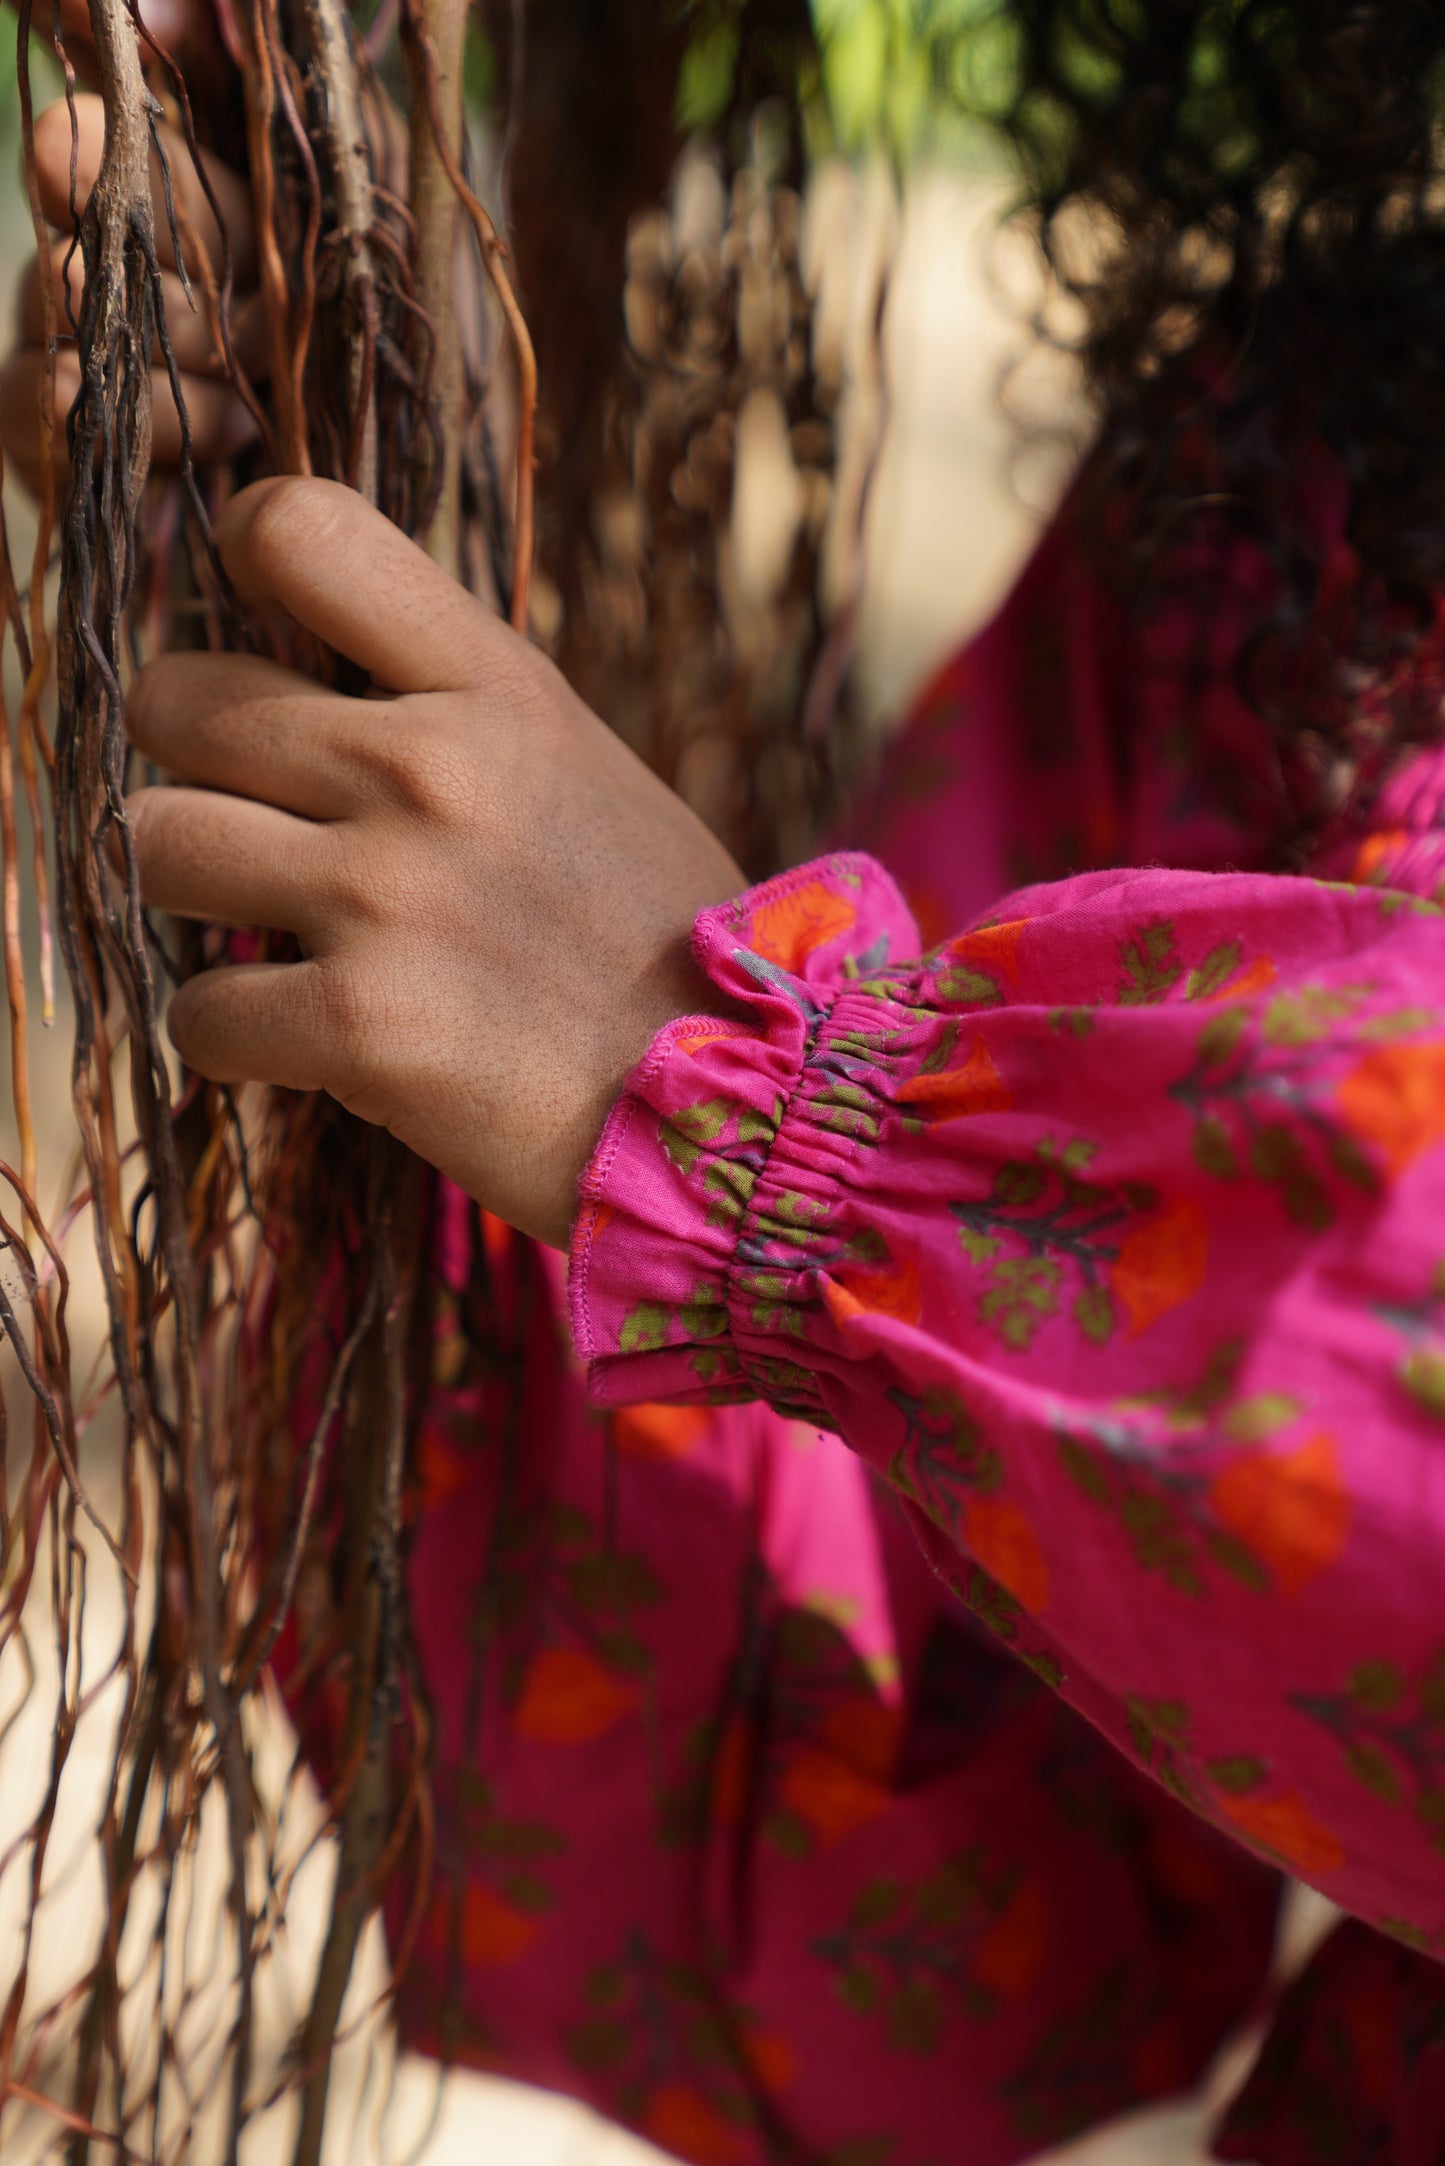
<point>344,572</point>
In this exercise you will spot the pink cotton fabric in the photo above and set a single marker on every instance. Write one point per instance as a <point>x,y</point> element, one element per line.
<point>1108,1235</point>
<point>1006,1522</point>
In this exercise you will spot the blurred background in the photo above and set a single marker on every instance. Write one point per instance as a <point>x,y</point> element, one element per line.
<point>906,193</point>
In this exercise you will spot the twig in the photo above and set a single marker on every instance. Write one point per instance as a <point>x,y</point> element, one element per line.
<point>260,89</point>
<point>349,160</point>
<point>428,22</point>
<point>376,1456</point>
<point>436,132</point>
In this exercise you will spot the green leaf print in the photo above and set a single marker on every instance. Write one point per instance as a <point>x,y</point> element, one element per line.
<point>1018,1181</point>
<point>704,1316</point>
<point>857,1989</point>
<point>1369,1765</point>
<point>958,983</point>
<point>1214,1152</point>
<point>1377,1687</point>
<point>1218,966</point>
<point>915,2020</point>
<point>1084,1470</point>
<point>1309,1014</point>
<point>1399,1023</point>
<point>1391,1731</point>
<point>685,1134</point>
<point>1221,1035</point>
<point>1423,1375</point>
<point>1238,1773</point>
<point>756,1127</point>
<point>1094,1314</point>
<point>1232,1556</point>
<point>978,1247</point>
<point>1025,1290</point>
<point>876,1903</point>
<point>1150,964</point>
<point>1251,1421</point>
<point>729,1185</point>
<point>645,1329</point>
<point>1277,1155</point>
<point>1349,1161</point>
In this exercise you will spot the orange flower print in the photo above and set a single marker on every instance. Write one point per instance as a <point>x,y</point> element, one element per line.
<point>829,1794</point>
<point>976,1087</point>
<point>1394,1099</point>
<point>772,2058</point>
<point>444,1470</point>
<point>697,1041</point>
<point>992,948</point>
<point>1373,852</point>
<point>681,2120</point>
<point>657,1432</point>
<point>1285,1827</point>
<point>568,1698</point>
<point>787,929</point>
<point>1290,1509</point>
<point>850,1294</point>
<point>1011,1954</point>
<point>494,1932</point>
<point>868,1732</point>
<point>1000,1536</point>
<point>1161,1264</point>
<point>1256,977</point>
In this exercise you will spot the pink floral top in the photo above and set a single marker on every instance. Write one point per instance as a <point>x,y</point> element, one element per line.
<point>1021,1508</point>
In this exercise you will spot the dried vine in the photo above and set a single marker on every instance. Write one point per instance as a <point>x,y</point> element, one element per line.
<point>225,1493</point>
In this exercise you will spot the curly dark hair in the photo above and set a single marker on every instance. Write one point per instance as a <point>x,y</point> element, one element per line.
<point>1260,268</point>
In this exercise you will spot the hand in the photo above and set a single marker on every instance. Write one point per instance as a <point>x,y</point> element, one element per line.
<point>220,422</point>
<point>492,894</point>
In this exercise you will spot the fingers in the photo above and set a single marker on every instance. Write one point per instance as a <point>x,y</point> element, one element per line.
<point>229,861</point>
<point>233,198</point>
<point>238,723</point>
<point>342,570</point>
<point>189,323</point>
<point>256,1023</point>
<point>220,424</point>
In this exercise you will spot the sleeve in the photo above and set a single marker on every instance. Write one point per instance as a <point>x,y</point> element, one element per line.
<point>1111,1234</point>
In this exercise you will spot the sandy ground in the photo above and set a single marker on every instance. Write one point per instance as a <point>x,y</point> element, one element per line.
<point>949,529</point>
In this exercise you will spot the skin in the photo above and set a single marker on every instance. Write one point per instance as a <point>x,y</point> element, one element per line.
<point>492,895</point>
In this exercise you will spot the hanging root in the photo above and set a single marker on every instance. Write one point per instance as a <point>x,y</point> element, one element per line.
<point>219,1229</point>
<point>105,945</point>
<point>350,170</point>
<point>436,29</point>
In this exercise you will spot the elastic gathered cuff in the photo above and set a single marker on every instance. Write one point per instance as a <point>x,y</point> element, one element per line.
<point>718,1195</point>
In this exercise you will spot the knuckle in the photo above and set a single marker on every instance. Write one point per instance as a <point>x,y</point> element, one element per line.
<point>418,763</point>
<point>354,894</point>
<point>344,1011</point>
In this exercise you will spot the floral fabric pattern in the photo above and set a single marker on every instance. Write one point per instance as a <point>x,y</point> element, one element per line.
<point>1103,1233</point>
<point>919,1796</point>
